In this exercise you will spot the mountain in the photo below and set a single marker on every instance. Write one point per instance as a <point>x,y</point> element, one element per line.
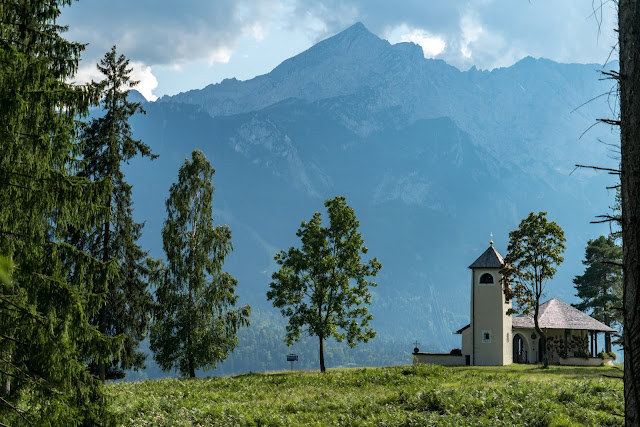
<point>431,158</point>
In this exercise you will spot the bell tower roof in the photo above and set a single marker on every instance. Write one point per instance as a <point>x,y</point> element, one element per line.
<point>489,259</point>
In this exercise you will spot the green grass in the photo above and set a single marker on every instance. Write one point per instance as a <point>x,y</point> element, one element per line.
<point>396,396</point>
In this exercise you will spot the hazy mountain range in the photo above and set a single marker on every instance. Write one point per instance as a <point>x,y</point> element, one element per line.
<point>431,158</point>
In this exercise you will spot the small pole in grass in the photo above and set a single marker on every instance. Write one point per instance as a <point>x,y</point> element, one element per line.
<point>293,358</point>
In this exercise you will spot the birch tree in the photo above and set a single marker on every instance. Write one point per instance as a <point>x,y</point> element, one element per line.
<point>195,322</point>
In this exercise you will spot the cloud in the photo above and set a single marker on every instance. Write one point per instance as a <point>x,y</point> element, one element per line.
<point>140,72</point>
<point>148,81</point>
<point>485,33</point>
<point>432,45</point>
<point>471,31</point>
<point>169,33</point>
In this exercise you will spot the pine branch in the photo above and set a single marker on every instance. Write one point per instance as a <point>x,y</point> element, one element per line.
<point>615,171</point>
<point>611,122</point>
<point>16,410</point>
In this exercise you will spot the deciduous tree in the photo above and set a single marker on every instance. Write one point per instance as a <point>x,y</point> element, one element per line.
<point>322,287</point>
<point>600,287</point>
<point>534,251</point>
<point>195,323</point>
<point>108,144</point>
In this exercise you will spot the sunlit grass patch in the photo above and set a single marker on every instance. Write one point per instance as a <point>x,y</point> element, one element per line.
<point>404,395</point>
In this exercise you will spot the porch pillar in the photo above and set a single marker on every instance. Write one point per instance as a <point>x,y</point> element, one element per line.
<point>596,342</point>
<point>591,339</point>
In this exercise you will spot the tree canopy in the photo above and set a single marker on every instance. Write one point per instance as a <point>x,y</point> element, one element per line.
<point>53,292</point>
<point>600,286</point>
<point>535,250</point>
<point>195,322</point>
<point>108,143</point>
<point>322,287</point>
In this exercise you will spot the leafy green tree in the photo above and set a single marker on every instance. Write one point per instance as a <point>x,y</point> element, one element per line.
<point>322,287</point>
<point>600,287</point>
<point>53,292</point>
<point>108,143</point>
<point>195,324</point>
<point>534,251</point>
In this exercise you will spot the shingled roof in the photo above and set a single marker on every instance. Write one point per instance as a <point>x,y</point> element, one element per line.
<point>555,314</point>
<point>489,259</point>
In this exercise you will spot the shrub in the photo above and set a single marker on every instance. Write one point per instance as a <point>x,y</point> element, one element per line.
<point>456,352</point>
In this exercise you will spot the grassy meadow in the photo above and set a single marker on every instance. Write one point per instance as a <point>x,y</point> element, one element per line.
<point>395,396</point>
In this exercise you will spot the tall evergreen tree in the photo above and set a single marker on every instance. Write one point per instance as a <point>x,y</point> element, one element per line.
<point>629,92</point>
<point>46,306</point>
<point>600,287</point>
<point>108,143</point>
<point>195,323</point>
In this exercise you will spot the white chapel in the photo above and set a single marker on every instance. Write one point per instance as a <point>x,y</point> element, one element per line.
<point>494,338</point>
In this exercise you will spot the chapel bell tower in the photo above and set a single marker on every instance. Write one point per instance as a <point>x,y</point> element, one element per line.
<point>490,324</point>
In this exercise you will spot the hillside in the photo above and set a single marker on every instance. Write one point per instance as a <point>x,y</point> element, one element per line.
<point>431,158</point>
<point>423,395</point>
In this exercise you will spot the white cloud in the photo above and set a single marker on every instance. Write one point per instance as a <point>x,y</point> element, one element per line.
<point>431,44</point>
<point>87,74</point>
<point>148,81</point>
<point>139,72</point>
<point>221,55</point>
<point>471,31</point>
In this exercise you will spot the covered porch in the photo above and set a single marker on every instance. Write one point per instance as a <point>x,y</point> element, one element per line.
<point>572,336</point>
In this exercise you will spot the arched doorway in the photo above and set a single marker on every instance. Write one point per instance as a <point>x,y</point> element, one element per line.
<point>520,349</point>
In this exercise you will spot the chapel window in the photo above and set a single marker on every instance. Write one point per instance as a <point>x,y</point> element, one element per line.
<point>486,279</point>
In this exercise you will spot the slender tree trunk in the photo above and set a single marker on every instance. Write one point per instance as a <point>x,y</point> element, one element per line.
<point>102,314</point>
<point>543,338</point>
<point>6,387</point>
<point>629,41</point>
<point>607,335</point>
<point>322,368</point>
<point>192,369</point>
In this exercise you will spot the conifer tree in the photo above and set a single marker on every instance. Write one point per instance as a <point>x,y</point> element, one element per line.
<point>46,306</point>
<point>195,323</point>
<point>600,287</point>
<point>108,143</point>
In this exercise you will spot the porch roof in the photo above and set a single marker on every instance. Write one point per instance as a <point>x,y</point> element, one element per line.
<point>556,314</point>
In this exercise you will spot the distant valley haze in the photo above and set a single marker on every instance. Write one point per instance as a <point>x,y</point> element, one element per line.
<point>432,159</point>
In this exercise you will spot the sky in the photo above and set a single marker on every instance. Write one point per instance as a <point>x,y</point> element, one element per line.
<point>175,46</point>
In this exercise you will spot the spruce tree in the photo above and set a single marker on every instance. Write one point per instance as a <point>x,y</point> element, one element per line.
<point>46,305</point>
<point>600,287</point>
<point>108,143</point>
<point>195,321</point>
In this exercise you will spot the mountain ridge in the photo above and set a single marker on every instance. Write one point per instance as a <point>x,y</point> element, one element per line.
<point>431,158</point>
